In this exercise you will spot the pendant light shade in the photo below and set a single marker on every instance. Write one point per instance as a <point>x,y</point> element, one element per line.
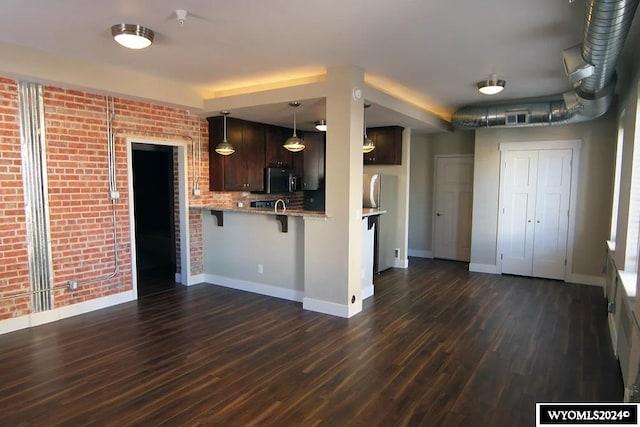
<point>225,148</point>
<point>367,144</point>
<point>132,36</point>
<point>294,143</point>
<point>321,125</point>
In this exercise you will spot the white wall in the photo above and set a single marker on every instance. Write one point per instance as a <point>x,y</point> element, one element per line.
<point>595,181</point>
<point>423,152</point>
<point>232,252</point>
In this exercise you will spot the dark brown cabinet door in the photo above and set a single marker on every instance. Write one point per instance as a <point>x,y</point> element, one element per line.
<point>235,175</point>
<point>254,155</point>
<point>388,142</point>
<point>216,161</point>
<point>314,158</point>
<point>242,170</point>
<point>275,153</point>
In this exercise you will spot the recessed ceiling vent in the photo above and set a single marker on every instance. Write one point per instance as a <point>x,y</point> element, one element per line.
<point>590,67</point>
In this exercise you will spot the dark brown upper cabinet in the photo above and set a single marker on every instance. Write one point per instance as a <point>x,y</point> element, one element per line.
<point>242,170</point>
<point>276,154</point>
<point>314,161</point>
<point>388,142</point>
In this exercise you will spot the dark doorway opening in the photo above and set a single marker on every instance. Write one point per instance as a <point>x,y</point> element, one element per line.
<point>154,201</point>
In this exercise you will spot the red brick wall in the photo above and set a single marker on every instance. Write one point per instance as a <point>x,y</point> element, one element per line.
<point>14,272</point>
<point>80,209</point>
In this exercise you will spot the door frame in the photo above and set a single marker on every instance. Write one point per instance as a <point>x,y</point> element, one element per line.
<point>574,145</point>
<point>435,197</point>
<point>181,197</point>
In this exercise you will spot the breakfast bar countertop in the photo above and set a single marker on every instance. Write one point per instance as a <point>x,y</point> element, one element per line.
<point>366,212</point>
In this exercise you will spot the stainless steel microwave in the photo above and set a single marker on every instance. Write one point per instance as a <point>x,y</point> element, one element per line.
<point>279,180</point>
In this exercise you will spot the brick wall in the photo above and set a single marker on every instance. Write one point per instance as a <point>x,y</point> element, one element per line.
<point>82,239</point>
<point>14,273</point>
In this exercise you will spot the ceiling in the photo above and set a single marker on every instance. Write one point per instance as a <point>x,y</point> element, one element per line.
<point>429,53</point>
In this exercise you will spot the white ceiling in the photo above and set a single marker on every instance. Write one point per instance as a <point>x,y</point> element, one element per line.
<point>433,50</point>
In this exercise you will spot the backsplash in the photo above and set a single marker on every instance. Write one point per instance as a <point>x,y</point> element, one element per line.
<point>229,199</point>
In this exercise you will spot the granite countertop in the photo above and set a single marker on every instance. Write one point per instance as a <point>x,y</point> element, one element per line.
<point>372,212</point>
<point>366,212</point>
<point>262,211</point>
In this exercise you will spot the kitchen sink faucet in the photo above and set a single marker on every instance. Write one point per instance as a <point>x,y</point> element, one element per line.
<point>284,206</point>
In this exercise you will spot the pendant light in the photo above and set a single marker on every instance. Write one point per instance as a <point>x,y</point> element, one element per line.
<point>367,145</point>
<point>294,143</point>
<point>225,148</point>
<point>321,125</point>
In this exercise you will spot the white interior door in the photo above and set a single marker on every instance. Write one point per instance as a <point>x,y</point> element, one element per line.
<point>519,191</point>
<point>453,207</point>
<point>535,214</point>
<point>552,214</point>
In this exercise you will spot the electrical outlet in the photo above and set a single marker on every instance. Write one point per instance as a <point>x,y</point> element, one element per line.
<point>396,253</point>
<point>114,195</point>
<point>196,191</point>
<point>260,269</point>
<point>72,285</point>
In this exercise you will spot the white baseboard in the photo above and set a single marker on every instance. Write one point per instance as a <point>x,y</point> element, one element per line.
<point>256,288</point>
<point>585,279</point>
<point>420,253</point>
<point>483,268</point>
<point>196,279</point>
<point>178,278</point>
<point>35,319</point>
<point>331,308</point>
<point>401,263</point>
<point>366,292</point>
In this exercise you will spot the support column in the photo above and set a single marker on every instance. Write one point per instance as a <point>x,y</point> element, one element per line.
<point>333,258</point>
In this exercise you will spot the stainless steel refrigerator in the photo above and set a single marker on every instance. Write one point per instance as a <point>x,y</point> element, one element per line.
<point>381,191</point>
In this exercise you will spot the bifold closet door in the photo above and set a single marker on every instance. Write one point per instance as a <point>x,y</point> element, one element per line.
<point>519,191</point>
<point>552,214</point>
<point>536,190</point>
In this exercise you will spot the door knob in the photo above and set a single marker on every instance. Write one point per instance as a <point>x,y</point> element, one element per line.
<point>438,214</point>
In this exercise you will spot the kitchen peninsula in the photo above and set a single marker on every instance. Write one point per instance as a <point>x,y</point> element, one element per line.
<point>262,251</point>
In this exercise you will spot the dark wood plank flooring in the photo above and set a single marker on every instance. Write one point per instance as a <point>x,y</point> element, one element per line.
<point>437,345</point>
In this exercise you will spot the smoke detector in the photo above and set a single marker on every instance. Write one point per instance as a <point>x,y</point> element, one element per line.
<point>181,15</point>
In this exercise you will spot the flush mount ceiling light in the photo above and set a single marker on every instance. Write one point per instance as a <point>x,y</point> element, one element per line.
<point>224,148</point>
<point>367,144</point>
<point>132,36</point>
<point>321,125</point>
<point>294,143</point>
<point>491,86</point>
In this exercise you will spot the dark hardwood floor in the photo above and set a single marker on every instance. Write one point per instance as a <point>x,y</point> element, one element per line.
<point>437,345</point>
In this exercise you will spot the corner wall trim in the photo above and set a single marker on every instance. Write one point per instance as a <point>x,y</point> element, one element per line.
<point>483,268</point>
<point>196,279</point>
<point>331,308</point>
<point>366,292</point>
<point>35,319</point>
<point>401,263</point>
<point>256,288</point>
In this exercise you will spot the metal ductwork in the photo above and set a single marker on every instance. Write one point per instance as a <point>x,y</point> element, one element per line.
<point>590,67</point>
